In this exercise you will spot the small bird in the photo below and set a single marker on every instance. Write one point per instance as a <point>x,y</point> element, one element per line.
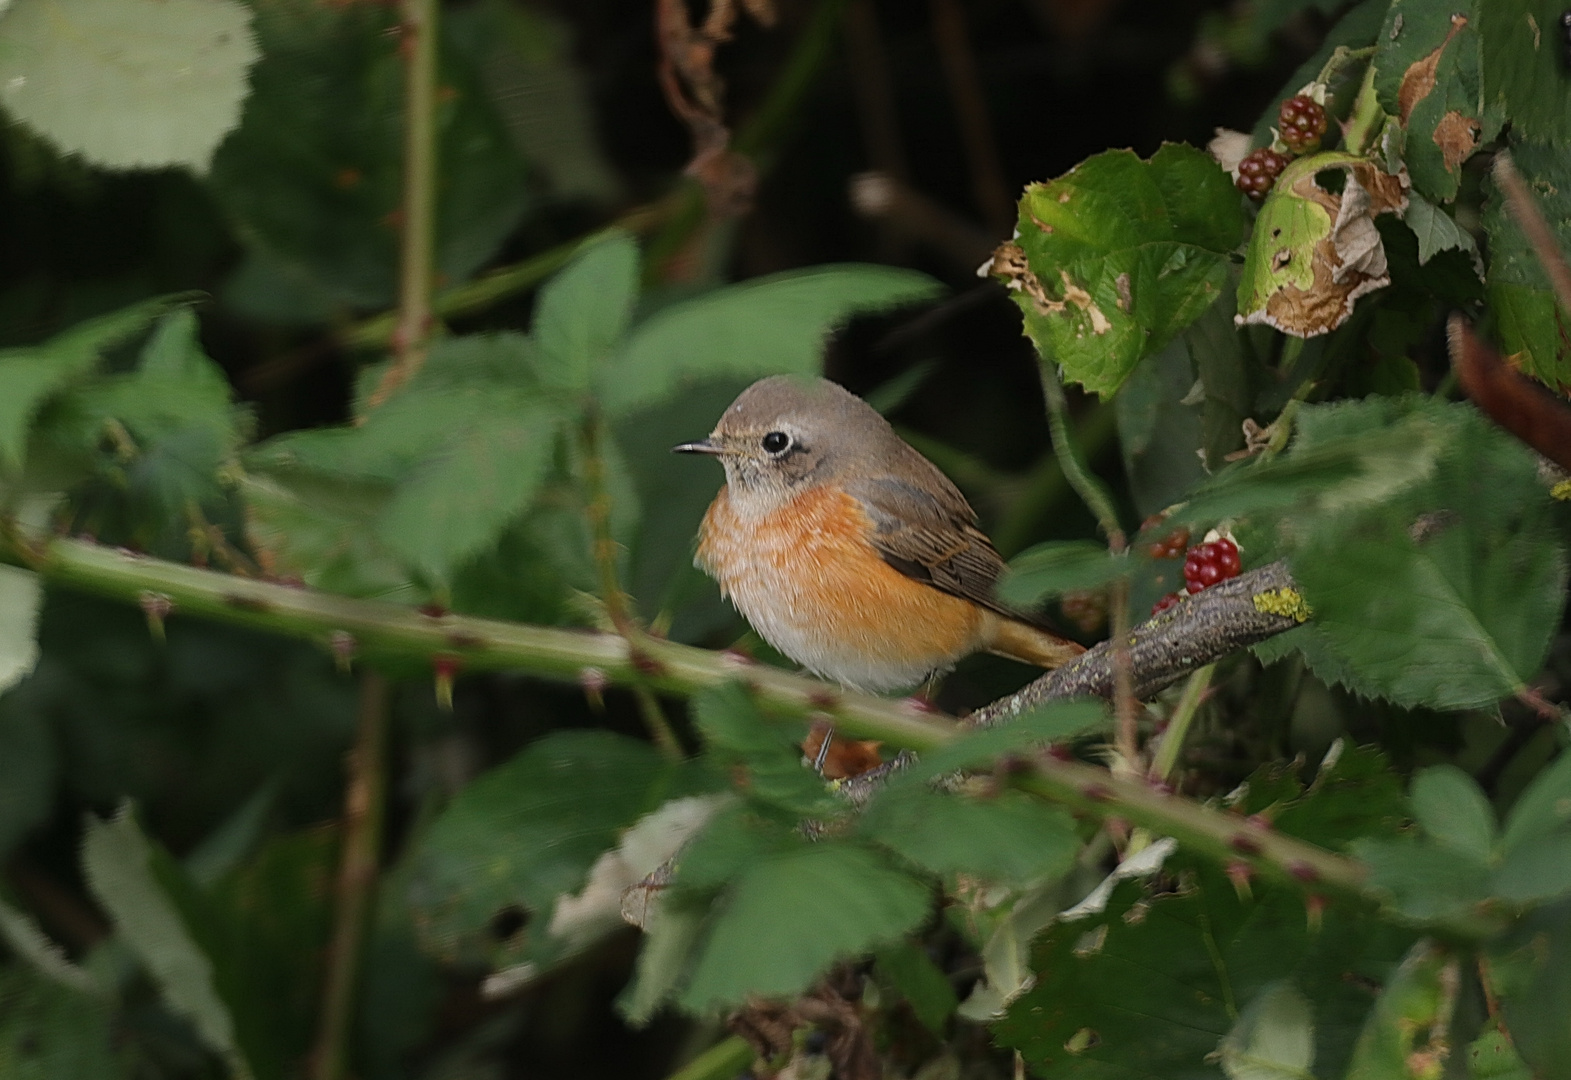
<point>849,551</point>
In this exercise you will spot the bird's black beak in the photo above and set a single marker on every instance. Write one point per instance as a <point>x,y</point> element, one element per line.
<point>702,446</point>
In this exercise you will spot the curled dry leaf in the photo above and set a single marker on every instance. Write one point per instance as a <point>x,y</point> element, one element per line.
<point>1228,148</point>
<point>1314,252</point>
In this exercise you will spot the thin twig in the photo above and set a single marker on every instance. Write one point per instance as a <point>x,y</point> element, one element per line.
<point>364,798</point>
<point>415,274</point>
<point>727,1058</point>
<point>1172,744</point>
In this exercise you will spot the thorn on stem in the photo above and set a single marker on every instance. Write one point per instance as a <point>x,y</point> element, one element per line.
<point>445,666</point>
<point>156,606</point>
<point>594,683</point>
<point>1239,873</point>
<point>344,647</point>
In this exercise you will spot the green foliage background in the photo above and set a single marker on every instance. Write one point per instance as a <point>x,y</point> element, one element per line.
<point>193,319</point>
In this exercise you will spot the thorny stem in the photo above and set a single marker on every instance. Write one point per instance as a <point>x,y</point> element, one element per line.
<point>364,798</point>
<point>413,331</point>
<point>597,508</point>
<point>1126,708</point>
<point>386,630</point>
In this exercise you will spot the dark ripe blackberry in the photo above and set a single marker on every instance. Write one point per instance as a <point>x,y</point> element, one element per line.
<point>1259,170</point>
<point>1302,120</point>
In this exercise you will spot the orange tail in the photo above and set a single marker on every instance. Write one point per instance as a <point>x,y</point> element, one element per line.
<point>1030,645</point>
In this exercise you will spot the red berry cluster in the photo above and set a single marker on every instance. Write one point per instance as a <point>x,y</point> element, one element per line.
<point>1210,563</point>
<point>1172,545</point>
<point>1205,565</point>
<point>1259,170</point>
<point>1302,120</point>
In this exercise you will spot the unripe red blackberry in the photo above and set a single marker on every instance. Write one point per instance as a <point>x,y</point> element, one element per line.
<point>1210,563</point>
<point>1259,170</point>
<point>1302,121</point>
<point>1166,602</point>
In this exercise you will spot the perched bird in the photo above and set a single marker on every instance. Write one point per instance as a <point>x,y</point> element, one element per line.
<point>849,551</point>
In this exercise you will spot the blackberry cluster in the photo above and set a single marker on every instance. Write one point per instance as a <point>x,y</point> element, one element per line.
<point>1301,122</point>
<point>1172,545</point>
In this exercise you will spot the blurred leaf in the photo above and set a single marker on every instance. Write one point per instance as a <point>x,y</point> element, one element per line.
<point>766,326</point>
<point>663,960</point>
<point>1426,880</point>
<point>1493,1057</point>
<point>1452,809</point>
<point>524,835</point>
<point>1153,985</point>
<point>582,312</point>
<point>526,56</point>
<point>1543,809</point>
<point>1357,795</point>
<point>28,377</point>
<point>786,919</point>
<point>1274,1038</point>
<point>1530,974</point>
<point>117,861</point>
<point>52,1032</point>
<point>128,84</point>
<point>1523,71</point>
<point>1427,75</point>
<point>20,596</point>
<point>1416,1002</point>
<point>1119,255</point>
<point>1057,567</point>
<point>1157,433</point>
<point>920,981</point>
<point>1027,839</point>
<point>764,757</point>
<point>322,531</point>
<point>312,178</point>
<point>1537,870</point>
<point>22,935</point>
<point>1532,328</point>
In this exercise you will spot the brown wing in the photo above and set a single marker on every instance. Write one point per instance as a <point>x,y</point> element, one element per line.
<point>933,538</point>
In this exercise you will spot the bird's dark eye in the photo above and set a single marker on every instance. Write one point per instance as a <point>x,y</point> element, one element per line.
<point>776,441</point>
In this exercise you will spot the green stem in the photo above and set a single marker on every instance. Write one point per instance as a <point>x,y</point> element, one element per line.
<point>1076,471</point>
<point>364,799</point>
<point>505,281</point>
<point>416,257</point>
<point>597,507</point>
<point>380,630</point>
<point>1172,744</point>
<point>1367,117</point>
<point>721,1061</point>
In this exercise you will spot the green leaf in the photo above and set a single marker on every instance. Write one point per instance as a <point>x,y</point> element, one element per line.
<point>1427,75</point>
<point>925,988</point>
<point>1529,321</point>
<point>1025,734</point>
<point>1027,840</point>
<point>670,937</point>
<point>117,861</point>
<point>768,326</point>
<point>322,531</point>
<point>1418,1000</point>
<point>584,310</point>
<point>459,500</point>
<point>1538,869</point>
<point>128,84</point>
<point>786,919</point>
<point>523,836</point>
<point>1522,45</point>
<point>1443,594</point>
<point>312,178</point>
<point>1118,255</point>
<point>1274,1038</point>
<point>1452,809</point>
<point>22,935</point>
<point>1543,808</point>
<point>1150,987</point>
<point>1057,567</point>
<point>765,756</point>
<point>1436,230</point>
